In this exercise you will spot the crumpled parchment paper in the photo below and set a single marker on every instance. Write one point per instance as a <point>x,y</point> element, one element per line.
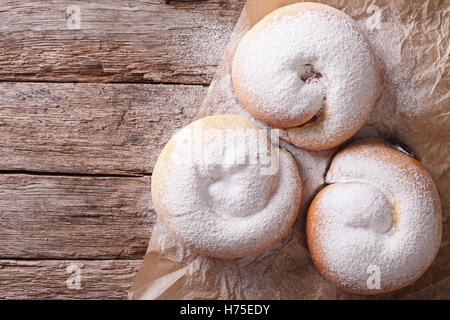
<point>411,42</point>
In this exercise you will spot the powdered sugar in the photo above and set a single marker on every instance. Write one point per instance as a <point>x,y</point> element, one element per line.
<point>285,271</point>
<point>226,208</point>
<point>377,212</point>
<point>299,65</point>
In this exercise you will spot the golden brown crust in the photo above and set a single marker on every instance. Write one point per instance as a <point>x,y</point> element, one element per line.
<point>315,213</point>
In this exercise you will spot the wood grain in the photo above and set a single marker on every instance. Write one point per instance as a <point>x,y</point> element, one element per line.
<point>58,217</point>
<point>109,279</point>
<point>90,128</point>
<point>118,41</point>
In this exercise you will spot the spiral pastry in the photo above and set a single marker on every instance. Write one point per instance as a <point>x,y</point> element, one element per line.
<point>215,193</point>
<point>308,68</point>
<point>377,226</point>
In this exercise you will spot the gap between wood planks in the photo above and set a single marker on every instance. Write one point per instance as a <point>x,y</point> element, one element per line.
<point>69,174</point>
<point>4,259</point>
<point>206,85</point>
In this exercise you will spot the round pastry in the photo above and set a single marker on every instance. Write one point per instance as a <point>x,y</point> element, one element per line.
<point>377,226</point>
<point>307,68</point>
<point>221,188</point>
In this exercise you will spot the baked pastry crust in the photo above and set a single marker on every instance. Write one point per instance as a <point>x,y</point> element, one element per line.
<point>400,237</point>
<point>307,68</point>
<point>220,209</point>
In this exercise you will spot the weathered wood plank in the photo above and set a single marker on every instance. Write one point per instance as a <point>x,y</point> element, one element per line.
<point>62,217</point>
<point>108,279</point>
<point>117,41</point>
<point>90,128</point>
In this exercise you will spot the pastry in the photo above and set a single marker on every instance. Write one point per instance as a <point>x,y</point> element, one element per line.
<point>215,193</point>
<point>309,69</point>
<point>377,225</point>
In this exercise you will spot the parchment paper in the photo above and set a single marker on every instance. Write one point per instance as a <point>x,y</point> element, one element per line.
<point>411,41</point>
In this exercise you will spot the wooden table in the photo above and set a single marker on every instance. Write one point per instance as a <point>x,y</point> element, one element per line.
<point>90,91</point>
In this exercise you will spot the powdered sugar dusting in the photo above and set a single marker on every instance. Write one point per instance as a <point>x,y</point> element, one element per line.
<point>406,112</point>
<point>300,65</point>
<point>227,208</point>
<point>377,213</point>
